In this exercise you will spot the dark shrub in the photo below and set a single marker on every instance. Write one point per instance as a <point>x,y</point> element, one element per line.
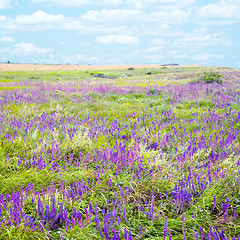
<point>208,77</point>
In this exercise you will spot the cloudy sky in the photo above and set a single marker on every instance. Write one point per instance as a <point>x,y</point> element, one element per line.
<point>102,32</point>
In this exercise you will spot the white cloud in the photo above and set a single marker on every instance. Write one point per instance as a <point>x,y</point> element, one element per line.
<point>156,30</point>
<point>176,16</point>
<point>6,24</point>
<point>206,56</point>
<point>24,52</point>
<point>222,9</point>
<point>84,44</point>
<point>105,22</point>
<point>172,52</point>
<point>139,4</point>
<point>5,4</point>
<point>23,48</point>
<point>96,28</point>
<point>154,58</point>
<point>111,15</point>
<point>214,22</point>
<point>38,21</point>
<point>157,41</point>
<point>182,56</point>
<point>201,38</point>
<point>89,28</point>
<point>40,17</point>
<point>167,4</point>
<point>81,58</point>
<point>117,39</point>
<point>153,49</point>
<point>136,52</point>
<point>109,2</point>
<point>73,25</point>
<point>7,39</point>
<point>152,55</point>
<point>3,19</point>
<point>64,3</point>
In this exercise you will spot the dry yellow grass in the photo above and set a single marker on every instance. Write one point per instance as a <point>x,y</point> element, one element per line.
<point>49,67</point>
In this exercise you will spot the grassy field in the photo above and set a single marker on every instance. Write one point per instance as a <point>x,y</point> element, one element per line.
<point>134,153</point>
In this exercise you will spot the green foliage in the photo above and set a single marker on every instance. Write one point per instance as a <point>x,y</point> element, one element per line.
<point>11,87</point>
<point>6,80</point>
<point>102,75</point>
<point>155,91</point>
<point>153,73</point>
<point>208,77</point>
<point>34,78</point>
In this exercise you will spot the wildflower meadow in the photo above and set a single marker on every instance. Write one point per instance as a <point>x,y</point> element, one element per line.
<point>138,153</point>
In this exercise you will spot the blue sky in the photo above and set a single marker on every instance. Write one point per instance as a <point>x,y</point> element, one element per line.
<point>109,32</point>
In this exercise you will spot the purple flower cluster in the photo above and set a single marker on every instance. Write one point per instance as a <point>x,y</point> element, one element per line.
<point>44,216</point>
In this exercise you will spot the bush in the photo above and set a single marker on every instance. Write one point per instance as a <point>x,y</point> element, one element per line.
<point>208,77</point>
<point>131,68</point>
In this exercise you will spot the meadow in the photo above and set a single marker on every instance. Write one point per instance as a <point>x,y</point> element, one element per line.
<point>137,153</point>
